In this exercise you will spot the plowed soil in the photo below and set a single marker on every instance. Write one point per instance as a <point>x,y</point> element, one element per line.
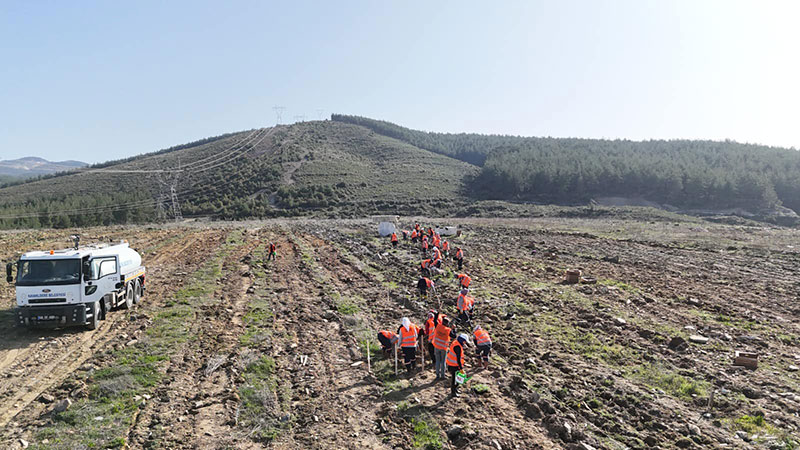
<point>274,353</point>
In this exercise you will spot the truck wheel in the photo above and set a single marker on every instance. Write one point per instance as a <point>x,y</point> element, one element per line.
<point>137,291</point>
<point>92,324</point>
<point>128,297</point>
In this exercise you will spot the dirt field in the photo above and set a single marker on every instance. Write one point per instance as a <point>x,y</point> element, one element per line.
<point>228,350</point>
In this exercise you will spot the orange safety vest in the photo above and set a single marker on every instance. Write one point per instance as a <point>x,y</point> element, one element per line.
<point>414,234</point>
<point>465,302</point>
<point>452,359</point>
<point>408,338</point>
<point>465,279</point>
<point>428,282</point>
<point>436,241</point>
<point>445,245</point>
<point>481,337</point>
<point>394,237</point>
<point>436,253</point>
<point>430,327</point>
<point>388,335</point>
<point>441,337</point>
<point>425,263</point>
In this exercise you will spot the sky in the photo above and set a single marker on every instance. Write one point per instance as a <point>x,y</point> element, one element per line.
<point>103,80</point>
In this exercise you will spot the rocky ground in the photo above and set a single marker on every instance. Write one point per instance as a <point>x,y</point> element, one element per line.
<point>228,350</point>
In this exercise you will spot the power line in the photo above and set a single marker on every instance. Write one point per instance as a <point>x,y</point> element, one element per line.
<point>194,164</point>
<point>161,202</point>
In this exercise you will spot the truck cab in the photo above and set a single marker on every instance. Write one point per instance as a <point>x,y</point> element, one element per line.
<point>75,286</point>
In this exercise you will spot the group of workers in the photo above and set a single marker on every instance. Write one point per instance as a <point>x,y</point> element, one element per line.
<point>438,336</point>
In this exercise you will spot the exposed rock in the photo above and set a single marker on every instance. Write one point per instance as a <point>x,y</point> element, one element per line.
<point>46,398</point>
<point>743,435</point>
<point>63,405</point>
<point>454,432</point>
<point>677,343</point>
<point>697,339</point>
<point>752,393</point>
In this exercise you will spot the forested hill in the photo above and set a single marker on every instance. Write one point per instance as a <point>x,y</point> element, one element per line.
<point>686,174</point>
<point>354,167</point>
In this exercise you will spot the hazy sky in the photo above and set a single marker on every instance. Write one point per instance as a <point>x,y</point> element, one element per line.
<point>98,81</point>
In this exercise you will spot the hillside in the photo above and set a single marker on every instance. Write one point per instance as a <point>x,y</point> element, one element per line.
<point>326,167</point>
<point>354,166</point>
<point>685,174</point>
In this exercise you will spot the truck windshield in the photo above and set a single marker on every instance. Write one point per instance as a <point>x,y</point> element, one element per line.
<point>49,272</point>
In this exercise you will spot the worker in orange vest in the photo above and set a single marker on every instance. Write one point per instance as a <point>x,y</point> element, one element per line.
<point>455,361</point>
<point>483,343</point>
<point>424,244</point>
<point>394,239</point>
<point>442,333</point>
<point>387,340</point>
<point>434,318</point>
<point>446,248</point>
<point>425,267</point>
<point>464,279</point>
<point>465,304</point>
<point>409,335</point>
<point>436,253</point>
<point>414,235</point>
<point>424,284</point>
<point>405,235</point>
<point>459,257</point>
<point>272,253</point>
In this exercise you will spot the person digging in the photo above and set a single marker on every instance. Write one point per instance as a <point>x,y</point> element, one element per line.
<point>423,284</point>
<point>388,341</point>
<point>409,334</point>
<point>483,344</point>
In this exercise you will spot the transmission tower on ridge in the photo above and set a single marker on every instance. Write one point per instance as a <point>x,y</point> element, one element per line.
<point>168,194</point>
<point>278,113</point>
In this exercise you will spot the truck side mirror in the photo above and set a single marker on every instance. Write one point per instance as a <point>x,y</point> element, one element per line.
<point>9,267</point>
<point>86,269</point>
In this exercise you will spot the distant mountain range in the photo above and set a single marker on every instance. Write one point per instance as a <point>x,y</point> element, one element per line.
<point>32,166</point>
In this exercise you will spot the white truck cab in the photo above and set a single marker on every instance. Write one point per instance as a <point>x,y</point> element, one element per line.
<point>78,286</point>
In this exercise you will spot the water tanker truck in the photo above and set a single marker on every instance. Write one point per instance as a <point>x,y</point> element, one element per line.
<point>76,286</point>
